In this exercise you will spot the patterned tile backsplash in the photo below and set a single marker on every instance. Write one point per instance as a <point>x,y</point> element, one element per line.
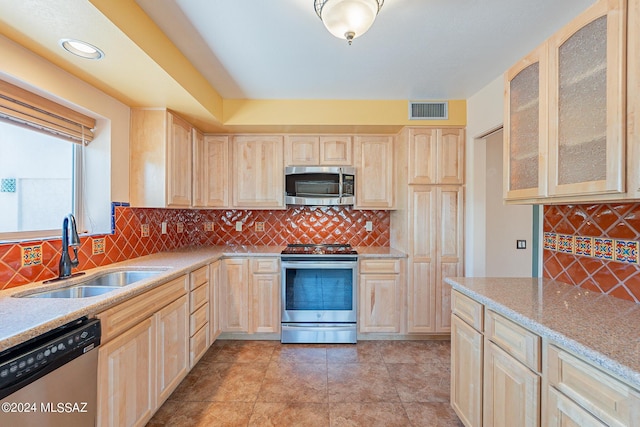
<point>595,247</point>
<point>138,232</point>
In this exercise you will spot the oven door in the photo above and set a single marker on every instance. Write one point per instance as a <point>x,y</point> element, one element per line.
<point>319,291</point>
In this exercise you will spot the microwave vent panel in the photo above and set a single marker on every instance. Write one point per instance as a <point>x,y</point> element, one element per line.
<point>423,110</point>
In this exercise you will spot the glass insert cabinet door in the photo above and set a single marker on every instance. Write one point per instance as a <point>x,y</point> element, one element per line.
<point>586,102</point>
<point>525,172</point>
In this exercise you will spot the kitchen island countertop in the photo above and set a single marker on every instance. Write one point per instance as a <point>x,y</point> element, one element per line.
<point>600,328</point>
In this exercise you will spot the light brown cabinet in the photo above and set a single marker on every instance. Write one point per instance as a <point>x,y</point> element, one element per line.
<point>374,158</point>
<point>144,354</point>
<point>525,124</point>
<point>258,172</point>
<point>380,295</point>
<point>511,391</point>
<point>215,282</point>
<point>466,369</point>
<point>265,293</point>
<point>579,73</point>
<point>436,156</point>
<point>172,355</point>
<point>308,150</point>
<point>211,187</point>
<point>435,252</point>
<point>199,312</point>
<point>250,295</point>
<point>161,159</point>
<point>234,295</point>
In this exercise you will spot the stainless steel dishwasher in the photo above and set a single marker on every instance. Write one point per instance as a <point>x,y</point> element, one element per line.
<point>51,380</point>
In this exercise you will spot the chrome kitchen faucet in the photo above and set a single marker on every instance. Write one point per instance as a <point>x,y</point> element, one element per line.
<point>66,263</point>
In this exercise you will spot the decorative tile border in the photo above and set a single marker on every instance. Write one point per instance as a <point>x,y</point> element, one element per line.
<point>626,251</point>
<point>98,246</point>
<point>31,255</point>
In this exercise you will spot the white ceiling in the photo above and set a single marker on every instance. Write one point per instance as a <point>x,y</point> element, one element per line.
<point>416,49</point>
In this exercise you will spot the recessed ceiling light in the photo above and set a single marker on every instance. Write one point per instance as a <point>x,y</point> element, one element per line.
<point>81,49</point>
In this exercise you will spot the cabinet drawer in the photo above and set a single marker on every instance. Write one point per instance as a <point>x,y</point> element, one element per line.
<point>467,309</point>
<point>609,399</point>
<point>380,266</point>
<point>198,345</point>
<point>519,342</point>
<point>265,265</point>
<point>198,319</point>
<point>197,297</point>
<point>128,314</point>
<point>199,277</point>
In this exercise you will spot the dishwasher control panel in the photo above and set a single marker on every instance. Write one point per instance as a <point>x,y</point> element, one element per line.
<point>41,356</point>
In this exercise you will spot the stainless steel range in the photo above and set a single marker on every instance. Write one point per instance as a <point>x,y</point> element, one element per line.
<point>319,294</point>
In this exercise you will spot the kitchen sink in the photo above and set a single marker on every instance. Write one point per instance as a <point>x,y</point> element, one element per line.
<point>120,278</point>
<point>78,291</point>
<point>96,285</point>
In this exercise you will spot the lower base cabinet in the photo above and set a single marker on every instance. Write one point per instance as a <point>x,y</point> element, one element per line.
<point>466,362</point>
<point>144,355</point>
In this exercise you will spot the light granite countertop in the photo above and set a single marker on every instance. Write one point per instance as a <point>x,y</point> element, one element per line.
<point>24,318</point>
<point>602,329</point>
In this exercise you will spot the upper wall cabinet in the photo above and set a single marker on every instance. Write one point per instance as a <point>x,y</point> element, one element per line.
<point>210,171</point>
<point>586,116</point>
<point>304,150</point>
<point>580,138</point>
<point>436,156</point>
<point>525,123</point>
<point>258,172</point>
<point>374,172</point>
<point>160,168</point>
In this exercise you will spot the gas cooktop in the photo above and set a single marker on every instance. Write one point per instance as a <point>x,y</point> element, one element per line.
<point>319,249</point>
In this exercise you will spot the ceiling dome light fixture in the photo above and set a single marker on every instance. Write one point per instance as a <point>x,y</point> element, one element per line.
<point>348,19</point>
<point>81,49</point>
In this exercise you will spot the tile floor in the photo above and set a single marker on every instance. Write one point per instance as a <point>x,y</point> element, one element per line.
<point>265,383</point>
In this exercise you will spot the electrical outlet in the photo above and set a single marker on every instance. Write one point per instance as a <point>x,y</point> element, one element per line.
<point>238,226</point>
<point>208,226</point>
<point>180,227</point>
<point>144,230</point>
<point>521,244</point>
<point>259,227</point>
<point>368,226</point>
<point>164,227</point>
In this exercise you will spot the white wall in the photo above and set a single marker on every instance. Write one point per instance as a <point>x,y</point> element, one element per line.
<point>485,111</point>
<point>107,157</point>
<point>504,223</point>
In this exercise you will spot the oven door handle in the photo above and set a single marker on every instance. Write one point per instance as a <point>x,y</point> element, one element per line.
<point>319,265</point>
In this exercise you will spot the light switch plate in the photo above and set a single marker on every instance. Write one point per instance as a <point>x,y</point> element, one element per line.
<point>368,226</point>
<point>164,227</point>
<point>521,244</point>
<point>238,226</point>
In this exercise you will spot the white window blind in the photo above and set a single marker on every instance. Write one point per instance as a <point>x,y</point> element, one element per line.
<point>27,108</point>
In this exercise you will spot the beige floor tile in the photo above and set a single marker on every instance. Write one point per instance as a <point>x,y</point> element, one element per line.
<point>415,351</point>
<point>290,415</point>
<point>202,414</point>
<point>225,382</point>
<point>363,352</point>
<point>421,382</point>
<point>245,352</point>
<point>432,415</point>
<point>294,382</point>
<point>361,382</point>
<point>368,415</point>
<point>300,353</point>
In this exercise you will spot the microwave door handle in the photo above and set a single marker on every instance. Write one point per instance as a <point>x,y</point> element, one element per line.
<point>340,185</point>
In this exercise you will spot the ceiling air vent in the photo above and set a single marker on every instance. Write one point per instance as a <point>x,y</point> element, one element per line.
<point>421,110</point>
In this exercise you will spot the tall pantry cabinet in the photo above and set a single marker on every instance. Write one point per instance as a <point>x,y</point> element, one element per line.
<point>428,223</point>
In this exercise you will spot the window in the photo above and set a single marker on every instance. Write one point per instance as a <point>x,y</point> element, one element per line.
<point>37,182</point>
<point>41,145</point>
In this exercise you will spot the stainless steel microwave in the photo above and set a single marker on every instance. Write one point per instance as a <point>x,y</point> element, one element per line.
<point>320,185</point>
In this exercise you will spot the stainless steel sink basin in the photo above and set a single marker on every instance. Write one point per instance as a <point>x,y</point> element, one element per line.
<point>78,291</point>
<point>120,278</point>
<point>96,285</point>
